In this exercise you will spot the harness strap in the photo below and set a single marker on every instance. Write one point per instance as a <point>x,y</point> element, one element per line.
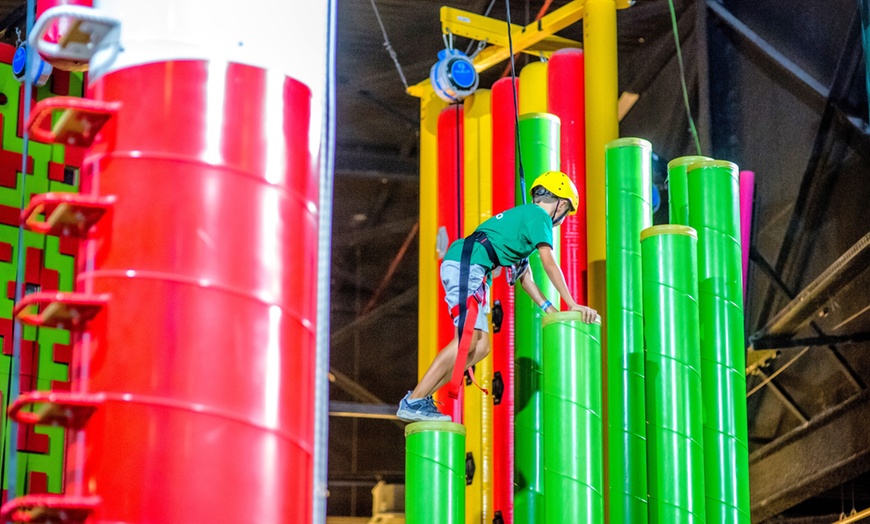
<point>467,305</point>
<point>466,333</point>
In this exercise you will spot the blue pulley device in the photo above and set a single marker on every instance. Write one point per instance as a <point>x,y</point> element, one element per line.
<point>453,76</point>
<point>40,69</point>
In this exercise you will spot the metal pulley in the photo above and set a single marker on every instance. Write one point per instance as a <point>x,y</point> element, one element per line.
<point>453,76</point>
<point>38,70</point>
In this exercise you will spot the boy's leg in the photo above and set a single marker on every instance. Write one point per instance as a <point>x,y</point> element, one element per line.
<point>441,369</point>
<point>479,350</point>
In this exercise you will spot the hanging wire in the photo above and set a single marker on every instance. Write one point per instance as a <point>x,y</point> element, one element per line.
<point>516,103</point>
<point>482,43</point>
<point>320,490</point>
<point>458,174</point>
<point>777,372</point>
<point>842,504</point>
<point>538,17</point>
<point>389,46</point>
<point>683,77</point>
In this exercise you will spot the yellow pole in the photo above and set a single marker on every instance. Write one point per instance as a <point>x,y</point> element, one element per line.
<point>602,126</point>
<point>485,368</point>
<point>476,106</point>
<point>533,88</point>
<point>599,35</point>
<point>427,338</point>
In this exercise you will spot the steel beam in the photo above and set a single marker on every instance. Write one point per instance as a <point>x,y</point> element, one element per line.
<point>391,270</point>
<point>800,311</point>
<point>390,164</point>
<point>494,32</point>
<point>14,18</point>
<point>344,333</point>
<point>779,59</point>
<point>821,92</point>
<point>539,33</point>
<point>362,410</point>
<point>831,449</point>
<point>824,340</point>
<point>379,232</point>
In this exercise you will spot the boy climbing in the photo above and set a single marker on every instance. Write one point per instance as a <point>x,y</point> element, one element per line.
<point>505,240</point>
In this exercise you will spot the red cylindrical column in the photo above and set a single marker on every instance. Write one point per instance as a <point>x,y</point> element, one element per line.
<point>450,162</point>
<point>206,350</point>
<point>566,100</point>
<point>503,197</point>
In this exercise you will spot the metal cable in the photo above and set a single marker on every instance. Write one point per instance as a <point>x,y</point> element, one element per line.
<point>683,77</point>
<point>458,176</point>
<point>777,372</point>
<point>485,13</point>
<point>519,149</point>
<point>18,331</point>
<point>389,46</point>
<point>324,263</point>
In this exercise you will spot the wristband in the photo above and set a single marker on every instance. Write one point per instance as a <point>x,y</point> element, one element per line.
<point>546,305</point>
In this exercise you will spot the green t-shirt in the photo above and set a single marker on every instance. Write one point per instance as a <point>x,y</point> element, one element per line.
<point>514,234</point>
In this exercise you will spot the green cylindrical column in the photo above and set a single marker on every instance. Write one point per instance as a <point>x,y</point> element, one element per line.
<point>573,462</point>
<point>628,205</point>
<point>673,378</point>
<point>678,188</point>
<point>714,200</point>
<point>539,144</point>
<point>435,473</point>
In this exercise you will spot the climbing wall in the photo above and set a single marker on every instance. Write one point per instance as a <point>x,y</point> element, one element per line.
<point>49,265</point>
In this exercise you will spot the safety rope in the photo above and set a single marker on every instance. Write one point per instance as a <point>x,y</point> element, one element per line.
<point>11,468</point>
<point>683,78</point>
<point>471,43</point>
<point>458,174</point>
<point>389,47</point>
<point>519,149</point>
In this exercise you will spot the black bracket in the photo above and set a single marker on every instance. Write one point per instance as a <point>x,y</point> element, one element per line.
<point>497,388</point>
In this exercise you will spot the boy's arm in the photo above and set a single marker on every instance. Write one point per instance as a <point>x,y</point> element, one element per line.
<point>529,286</point>
<point>554,273</point>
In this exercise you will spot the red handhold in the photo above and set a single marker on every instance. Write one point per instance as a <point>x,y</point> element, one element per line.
<point>65,213</point>
<point>49,509</point>
<point>80,120</point>
<point>62,310</point>
<point>69,410</point>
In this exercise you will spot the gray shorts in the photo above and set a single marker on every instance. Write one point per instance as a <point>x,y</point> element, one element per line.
<point>450,281</point>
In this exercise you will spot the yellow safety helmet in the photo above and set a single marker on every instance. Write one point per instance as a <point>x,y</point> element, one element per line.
<point>561,186</point>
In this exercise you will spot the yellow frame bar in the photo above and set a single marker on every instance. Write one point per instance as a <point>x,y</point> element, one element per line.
<point>535,38</point>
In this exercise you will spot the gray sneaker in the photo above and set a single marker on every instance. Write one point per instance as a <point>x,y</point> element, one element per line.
<point>420,409</point>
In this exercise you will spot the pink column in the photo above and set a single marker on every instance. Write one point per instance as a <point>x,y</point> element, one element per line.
<point>747,193</point>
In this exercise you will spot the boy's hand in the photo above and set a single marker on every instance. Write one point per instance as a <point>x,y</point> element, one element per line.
<point>589,314</point>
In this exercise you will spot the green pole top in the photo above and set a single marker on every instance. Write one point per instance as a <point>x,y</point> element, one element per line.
<point>540,115</point>
<point>628,141</point>
<point>668,229</point>
<point>565,316</point>
<point>686,160</point>
<point>420,427</point>
<point>731,166</point>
